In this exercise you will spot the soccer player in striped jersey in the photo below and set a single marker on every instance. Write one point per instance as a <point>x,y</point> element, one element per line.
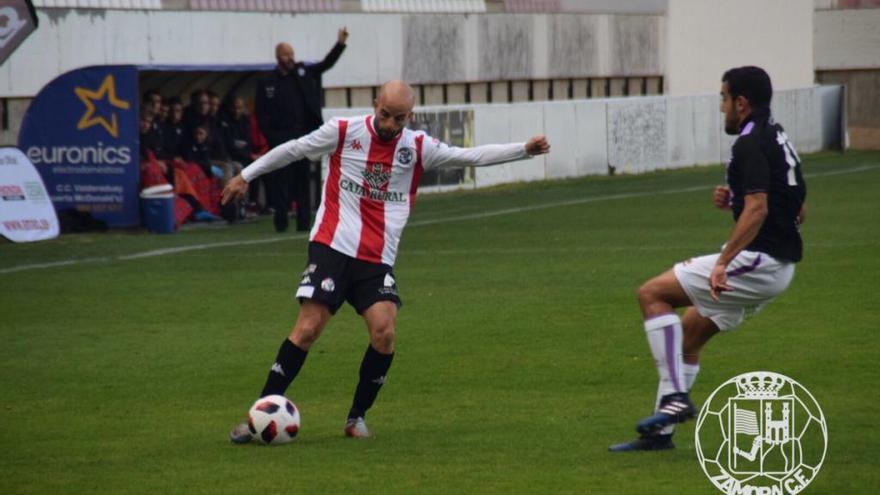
<point>375,167</point>
<point>766,192</point>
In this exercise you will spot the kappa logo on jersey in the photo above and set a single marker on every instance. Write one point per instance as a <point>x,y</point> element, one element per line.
<point>376,176</point>
<point>405,156</point>
<point>270,91</point>
<point>356,145</point>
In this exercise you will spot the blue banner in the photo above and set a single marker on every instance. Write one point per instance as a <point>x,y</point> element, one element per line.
<point>81,133</point>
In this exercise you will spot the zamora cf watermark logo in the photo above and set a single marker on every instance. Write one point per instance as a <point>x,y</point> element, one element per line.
<point>761,433</point>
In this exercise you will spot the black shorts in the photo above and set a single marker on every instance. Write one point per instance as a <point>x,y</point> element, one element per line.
<point>332,278</point>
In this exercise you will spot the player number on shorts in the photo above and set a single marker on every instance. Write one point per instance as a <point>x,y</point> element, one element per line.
<point>791,156</point>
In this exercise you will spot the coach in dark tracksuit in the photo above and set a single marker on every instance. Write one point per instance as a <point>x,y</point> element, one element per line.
<point>288,106</point>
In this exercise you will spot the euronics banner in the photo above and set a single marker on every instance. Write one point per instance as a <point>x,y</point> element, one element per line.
<point>81,134</point>
<point>26,214</point>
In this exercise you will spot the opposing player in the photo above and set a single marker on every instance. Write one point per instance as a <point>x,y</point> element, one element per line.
<point>375,167</point>
<point>766,191</point>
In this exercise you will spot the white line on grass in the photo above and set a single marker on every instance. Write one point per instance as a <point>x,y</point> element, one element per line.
<point>456,218</point>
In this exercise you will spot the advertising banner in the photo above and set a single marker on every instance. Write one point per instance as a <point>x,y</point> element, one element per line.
<point>26,213</point>
<point>81,133</point>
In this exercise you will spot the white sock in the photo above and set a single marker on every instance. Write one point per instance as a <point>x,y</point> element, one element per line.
<point>690,376</point>
<point>664,337</point>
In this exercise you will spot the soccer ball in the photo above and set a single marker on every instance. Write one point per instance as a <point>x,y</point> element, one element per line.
<point>274,420</point>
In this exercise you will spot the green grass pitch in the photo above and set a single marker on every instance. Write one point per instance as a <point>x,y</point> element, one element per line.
<point>520,351</point>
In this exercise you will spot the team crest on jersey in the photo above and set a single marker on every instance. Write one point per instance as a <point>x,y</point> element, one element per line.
<point>405,156</point>
<point>376,176</point>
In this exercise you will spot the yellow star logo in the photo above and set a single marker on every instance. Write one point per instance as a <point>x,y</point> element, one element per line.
<point>89,119</point>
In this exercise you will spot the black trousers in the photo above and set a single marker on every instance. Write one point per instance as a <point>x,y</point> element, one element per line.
<point>286,184</point>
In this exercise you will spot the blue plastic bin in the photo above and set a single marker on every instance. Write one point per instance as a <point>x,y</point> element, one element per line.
<point>158,212</point>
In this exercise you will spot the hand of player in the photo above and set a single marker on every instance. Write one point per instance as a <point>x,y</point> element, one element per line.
<point>236,188</point>
<point>343,35</point>
<point>718,281</point>
<point>721,197</point>
<point>537,145</point>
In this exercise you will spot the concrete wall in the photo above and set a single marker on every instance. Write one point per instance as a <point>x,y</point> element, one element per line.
<point>847,52</point>
<point>707,37</point>
<point>634,135</point>
<point>847,39</point>
<point>421,48</point>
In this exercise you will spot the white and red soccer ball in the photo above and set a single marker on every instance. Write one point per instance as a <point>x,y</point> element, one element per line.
<point>274,420</point>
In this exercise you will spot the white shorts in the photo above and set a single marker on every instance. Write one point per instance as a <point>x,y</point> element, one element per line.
<point>756,278</point>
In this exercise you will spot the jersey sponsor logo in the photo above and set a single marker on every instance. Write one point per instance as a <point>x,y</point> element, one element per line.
<point>405,155</point>
<point>761,433</point>
<point>386,196</point>
<point>376,176</point>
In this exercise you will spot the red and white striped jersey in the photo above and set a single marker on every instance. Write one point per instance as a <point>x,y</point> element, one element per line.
<point>371,185</point>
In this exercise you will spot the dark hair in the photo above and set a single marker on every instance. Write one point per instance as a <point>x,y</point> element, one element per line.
<point>172,100</point>
<point>148,95</point>
<point>211,94</point>
<point>750,82</point>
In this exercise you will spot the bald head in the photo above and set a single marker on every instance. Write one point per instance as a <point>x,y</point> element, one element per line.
<point>284,56</point>
<point>397,94</point>
<point>393,107</point>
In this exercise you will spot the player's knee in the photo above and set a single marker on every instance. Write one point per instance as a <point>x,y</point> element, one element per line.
<point>306,332</point>
<point>646,294</point>
<point>382,337</point>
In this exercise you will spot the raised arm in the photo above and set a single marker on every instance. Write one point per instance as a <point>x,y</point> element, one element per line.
<point>314,145</point>
<point>439,154</point>
<point>334,54</point>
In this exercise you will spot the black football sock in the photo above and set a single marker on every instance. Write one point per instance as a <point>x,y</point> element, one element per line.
<point>373,369</point>
<point>287,364</point>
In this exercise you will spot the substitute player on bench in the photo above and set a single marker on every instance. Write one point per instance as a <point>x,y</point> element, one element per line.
<point>766,191</point>
<point>375,166</point>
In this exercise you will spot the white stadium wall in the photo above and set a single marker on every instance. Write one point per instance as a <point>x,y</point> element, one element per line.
<point>421,48</point>
<point>706,37</point>
<point>634,135</point>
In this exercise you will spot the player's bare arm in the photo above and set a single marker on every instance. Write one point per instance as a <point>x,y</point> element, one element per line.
<point>744,232</point>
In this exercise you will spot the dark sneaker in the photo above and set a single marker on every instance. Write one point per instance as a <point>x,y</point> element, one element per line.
<point>645,442</point>
<point>674,408</point>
